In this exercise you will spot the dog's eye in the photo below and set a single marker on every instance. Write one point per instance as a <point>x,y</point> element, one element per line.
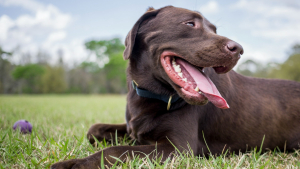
<point>192,24</point>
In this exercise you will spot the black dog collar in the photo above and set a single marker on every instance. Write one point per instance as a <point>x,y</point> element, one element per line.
<point>145,93</point>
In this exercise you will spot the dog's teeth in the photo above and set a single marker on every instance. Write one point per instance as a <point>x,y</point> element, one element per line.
<point>177,68</point>
<point>180,74</point>
<point>184,79</point>
<point>200,92</point>
<point>173,62</point>
<point>197,89</point>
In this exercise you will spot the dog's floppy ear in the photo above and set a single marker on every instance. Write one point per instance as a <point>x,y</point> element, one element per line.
<point>130,39</point>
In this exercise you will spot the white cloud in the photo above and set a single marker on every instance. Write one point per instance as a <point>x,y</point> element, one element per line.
<point>6,23</point>
<point>254,53</point>
<point>56,36</point>
<point>275,21</point>
<point>270,28</point>
<point>211,7</point>
<point>43,28</point>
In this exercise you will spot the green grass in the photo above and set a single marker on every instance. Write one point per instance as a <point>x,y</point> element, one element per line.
<point>60,123</point>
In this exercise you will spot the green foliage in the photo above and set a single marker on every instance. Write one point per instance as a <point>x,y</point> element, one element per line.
<point>106,75</point>
<point>252,68</point>
<point>28,72</point>
<point>290,69</point>
<point>116,66</point>
<point>41,79</point>
<point>105,46</point>
<point>31,74</point>
<point>114,72</point>
<point>91,67</point>
<point>53,80</point>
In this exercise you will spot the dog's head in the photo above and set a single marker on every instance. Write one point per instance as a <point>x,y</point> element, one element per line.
<point>170,48</point>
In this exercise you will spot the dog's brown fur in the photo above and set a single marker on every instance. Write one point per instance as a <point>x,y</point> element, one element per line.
<point>258,107</point>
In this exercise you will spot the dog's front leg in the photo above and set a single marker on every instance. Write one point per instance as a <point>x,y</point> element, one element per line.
<point>106,131</point>
<point>120,152</point>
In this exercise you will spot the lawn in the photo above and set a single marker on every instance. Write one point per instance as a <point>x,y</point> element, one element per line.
<point>60,123</point>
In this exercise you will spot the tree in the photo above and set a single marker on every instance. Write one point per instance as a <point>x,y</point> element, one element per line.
<point>6,81</point>
<point>53,80</point>
<point>110,64</point>
<point>255,69</point>
<point>34,74</point>
<point>31,74</point>
<point>116,72</point>
<point>290,69</point>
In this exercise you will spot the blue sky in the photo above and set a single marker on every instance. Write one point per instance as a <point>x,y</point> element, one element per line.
<point>265,28</point>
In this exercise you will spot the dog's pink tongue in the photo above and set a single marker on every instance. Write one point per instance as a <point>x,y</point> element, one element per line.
<point>205,85</point>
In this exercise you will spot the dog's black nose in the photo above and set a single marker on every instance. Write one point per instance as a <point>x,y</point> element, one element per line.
<point>234,48</point>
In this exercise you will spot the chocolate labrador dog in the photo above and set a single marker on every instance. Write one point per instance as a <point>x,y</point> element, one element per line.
<point>183,94</point>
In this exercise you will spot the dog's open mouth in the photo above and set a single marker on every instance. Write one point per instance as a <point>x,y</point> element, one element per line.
<point>193,83</point>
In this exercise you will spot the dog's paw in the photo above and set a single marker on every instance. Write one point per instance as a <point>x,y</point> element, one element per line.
<point>76,164</point>
<point>100,132</point>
